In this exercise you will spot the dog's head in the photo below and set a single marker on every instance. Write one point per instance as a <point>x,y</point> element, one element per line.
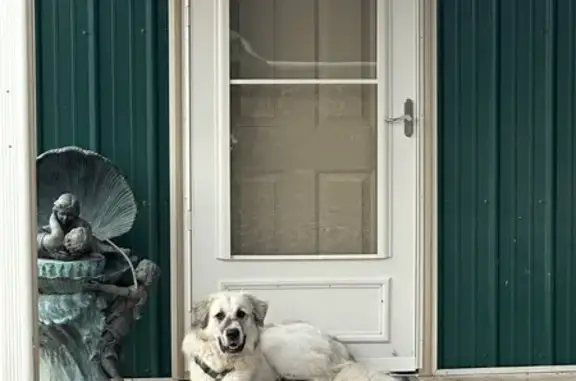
<point>233,319</point>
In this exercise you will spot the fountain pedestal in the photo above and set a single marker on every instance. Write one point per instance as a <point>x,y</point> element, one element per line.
<point>90,290</point>
<point>72,317</point>
<point>67,343</point>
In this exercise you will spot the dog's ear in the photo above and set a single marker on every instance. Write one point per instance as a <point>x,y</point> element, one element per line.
<point>260,309</point>
<point>199,314</point>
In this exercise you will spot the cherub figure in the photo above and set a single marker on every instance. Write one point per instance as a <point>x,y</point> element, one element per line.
<point>67,235</point>
<point>123,309</point>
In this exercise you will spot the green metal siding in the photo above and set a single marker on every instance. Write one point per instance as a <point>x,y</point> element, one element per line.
<point>507,183</point>
<point>103,85</point>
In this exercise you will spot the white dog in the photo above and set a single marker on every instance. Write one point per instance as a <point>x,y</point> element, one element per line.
<point>229,342</point>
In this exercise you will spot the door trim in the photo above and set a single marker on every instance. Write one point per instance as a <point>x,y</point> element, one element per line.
<point>428,173</point>
<point>178,88</point>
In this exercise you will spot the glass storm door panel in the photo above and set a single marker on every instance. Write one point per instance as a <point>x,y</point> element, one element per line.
<point>303,190</point>
<point>304,169</point>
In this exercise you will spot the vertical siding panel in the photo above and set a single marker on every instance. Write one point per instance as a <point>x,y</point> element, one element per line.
<point>569,250</point>
<point>135,83</point>
<point>542,184</point>
<point>523,190</point>
<point>162,256</point>
<point>565,140</point>
<point>45,35</point>
<point>486,328</point>
<point>103,85</point>
<point>120,40</point>
<point>507,194</point>
<point>107,86</point>
<point>448,240</point>
<point>467,179</point>
<point>63,59</point>
<point>93,75</point>
<point>48,111</point>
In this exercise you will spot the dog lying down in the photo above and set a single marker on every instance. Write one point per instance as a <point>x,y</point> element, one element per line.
<point>229,342</point>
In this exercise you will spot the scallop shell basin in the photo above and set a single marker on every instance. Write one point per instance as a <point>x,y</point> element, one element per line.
<point>106,200</point>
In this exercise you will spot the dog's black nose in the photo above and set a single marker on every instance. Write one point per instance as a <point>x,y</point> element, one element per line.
<point>233,333</point>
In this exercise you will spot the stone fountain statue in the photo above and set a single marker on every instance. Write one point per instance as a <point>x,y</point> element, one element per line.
<point>90,290</point>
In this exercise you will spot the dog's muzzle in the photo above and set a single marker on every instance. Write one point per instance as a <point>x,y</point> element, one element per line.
<point>233,341</point>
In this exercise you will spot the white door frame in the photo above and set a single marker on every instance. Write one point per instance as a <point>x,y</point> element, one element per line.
<point>428,165</point>
<point>188,178</point>
<point>178,88</point>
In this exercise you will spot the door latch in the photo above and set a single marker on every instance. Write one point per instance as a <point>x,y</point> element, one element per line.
<point>407,118</point>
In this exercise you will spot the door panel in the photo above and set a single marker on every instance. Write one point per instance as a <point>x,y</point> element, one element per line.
<point>303,169</point>
<point>301,192</point>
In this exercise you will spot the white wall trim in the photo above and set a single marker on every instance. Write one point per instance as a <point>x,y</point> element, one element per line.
<point>177,31</point>
<point>420,181</point>
<point>18,284</point>
<point>428,249</point>
<point>522,371</point>
<point>188,176</point>
<point>187,68</point>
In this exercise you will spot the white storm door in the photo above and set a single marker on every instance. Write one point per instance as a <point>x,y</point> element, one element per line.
<point>303,191</point>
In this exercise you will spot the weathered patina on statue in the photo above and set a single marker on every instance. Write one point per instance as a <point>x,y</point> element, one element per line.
<point>90,290</point>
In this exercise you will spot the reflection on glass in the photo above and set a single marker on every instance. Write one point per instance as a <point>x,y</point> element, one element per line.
<point>302,39</point>
<point>303,169</point>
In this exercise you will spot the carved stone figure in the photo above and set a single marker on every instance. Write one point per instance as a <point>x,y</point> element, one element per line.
<point>85,305</point>
<point>67,236</point>
<point>123,308</point>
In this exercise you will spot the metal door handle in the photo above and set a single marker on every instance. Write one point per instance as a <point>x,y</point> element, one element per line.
<point>407,118</point>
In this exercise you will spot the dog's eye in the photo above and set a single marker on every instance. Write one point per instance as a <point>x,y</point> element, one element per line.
<point>240,314</point>
<point>220,316</point>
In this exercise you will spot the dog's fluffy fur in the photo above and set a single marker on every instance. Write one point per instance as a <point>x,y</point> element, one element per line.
<point>228,334</point>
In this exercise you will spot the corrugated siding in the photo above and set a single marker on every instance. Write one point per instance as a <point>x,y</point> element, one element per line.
<point>103,85</point>
<point>507,185</point>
